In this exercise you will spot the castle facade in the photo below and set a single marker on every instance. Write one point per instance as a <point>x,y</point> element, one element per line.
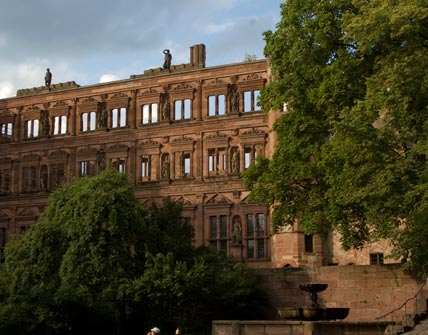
<point>184,132</point>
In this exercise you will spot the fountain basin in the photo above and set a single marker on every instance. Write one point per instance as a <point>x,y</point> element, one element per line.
<point>312,313</point>
<point>289,313</point>
<point>338,313</point>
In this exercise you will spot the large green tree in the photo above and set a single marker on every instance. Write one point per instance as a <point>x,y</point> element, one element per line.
<point>352,146</point>
<point>99,262</point>
<point>77,257</point>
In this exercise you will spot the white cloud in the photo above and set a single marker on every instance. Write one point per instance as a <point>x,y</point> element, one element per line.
<point>120,42</point>
<point>32,72</point>
<point>108,77</point>
<point>6,89</point>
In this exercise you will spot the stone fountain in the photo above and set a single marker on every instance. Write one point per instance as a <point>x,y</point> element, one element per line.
<point>313,312</point>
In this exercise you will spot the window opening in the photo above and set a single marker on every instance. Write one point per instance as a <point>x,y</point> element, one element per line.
<point>216,105</point>
<point>251,101</point>
<point>118,117</point>
<point>88,121</point>
<point>149,113</point>
<point>309,243</point>
<point>145,167</point>
<point>182,109</point>
<point>32,128</point>
<point>60,125</point>
<point>376,258</point>
<point>6,130</point>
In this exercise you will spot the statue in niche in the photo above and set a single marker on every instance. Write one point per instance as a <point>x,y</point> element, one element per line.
<point>101,160</point>
<point>235,161</point>
<point>165,167</point>
<point>48,78</point>
<point>167,59</point>
<point>236,231</point>
<point>44,177</point>
<point>45,123</point>
<point>234,99</point>
<point>102,119</point>
<point>165,106</point>
<point>259,150</point>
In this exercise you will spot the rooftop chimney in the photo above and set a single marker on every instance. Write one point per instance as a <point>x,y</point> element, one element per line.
<point>197,55</point>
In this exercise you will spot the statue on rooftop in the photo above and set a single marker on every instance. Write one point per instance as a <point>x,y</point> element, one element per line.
<point>168,58</point>
<point>48,78</point>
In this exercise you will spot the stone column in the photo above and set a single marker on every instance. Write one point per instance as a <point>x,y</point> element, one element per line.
<point>73,117</point>
<point>198,102</point>
<point>133,110</point>
<point>17,126</point>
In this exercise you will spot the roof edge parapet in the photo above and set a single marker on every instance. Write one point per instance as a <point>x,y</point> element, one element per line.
<point>43,89</point>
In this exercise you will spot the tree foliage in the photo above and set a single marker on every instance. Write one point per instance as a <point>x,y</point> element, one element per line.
<point>352,148</point>
<point>99,262</point>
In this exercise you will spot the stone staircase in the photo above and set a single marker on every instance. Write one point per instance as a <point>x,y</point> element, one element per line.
<point>419,329</point>
<point>412,324</point>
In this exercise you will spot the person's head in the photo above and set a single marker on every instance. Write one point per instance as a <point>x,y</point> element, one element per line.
<point>155,330</point>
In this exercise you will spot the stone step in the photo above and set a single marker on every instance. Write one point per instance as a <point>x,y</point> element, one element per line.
<point>393,330</point>
<point>421,328</point>
<point>410,320</point>
<point>421,305</point>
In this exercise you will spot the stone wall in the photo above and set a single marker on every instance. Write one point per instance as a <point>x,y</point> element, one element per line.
<point>234,327</point>
<point>369,291</point>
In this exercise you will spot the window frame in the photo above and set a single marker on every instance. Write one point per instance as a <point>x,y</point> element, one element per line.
<point>6,130</point>
<point>60,125</point>
<point>250,97</point>
<point>88,121</point>
<point>218,238</point>
<point>119,117</point>
<point>377,258</point>
<point>151,112</point>
<point>182,109</point>
<point>32,128</point>
<point>255,238</point>
<point>216,105</point>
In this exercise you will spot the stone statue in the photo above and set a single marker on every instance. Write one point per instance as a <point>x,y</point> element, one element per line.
<point>44,178</point>
<point>236,232</point>
<point>234,99</point>
<point>45,124</point>
<point>167,59</point>
<point>165,167</point>
<point>48,78</point>
<point>102,119</point>
<point>165,106</point>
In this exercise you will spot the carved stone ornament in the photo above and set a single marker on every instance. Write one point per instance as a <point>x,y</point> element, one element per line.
<point>218,199</point>
<point>27,212</point>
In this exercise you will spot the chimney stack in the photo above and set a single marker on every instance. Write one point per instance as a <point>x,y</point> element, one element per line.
<point>197,55</point>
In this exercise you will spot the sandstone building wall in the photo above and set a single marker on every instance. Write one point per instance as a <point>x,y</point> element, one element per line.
<point>185,132</point>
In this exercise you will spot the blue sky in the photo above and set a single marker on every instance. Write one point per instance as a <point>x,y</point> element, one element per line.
<point>91,41</point>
